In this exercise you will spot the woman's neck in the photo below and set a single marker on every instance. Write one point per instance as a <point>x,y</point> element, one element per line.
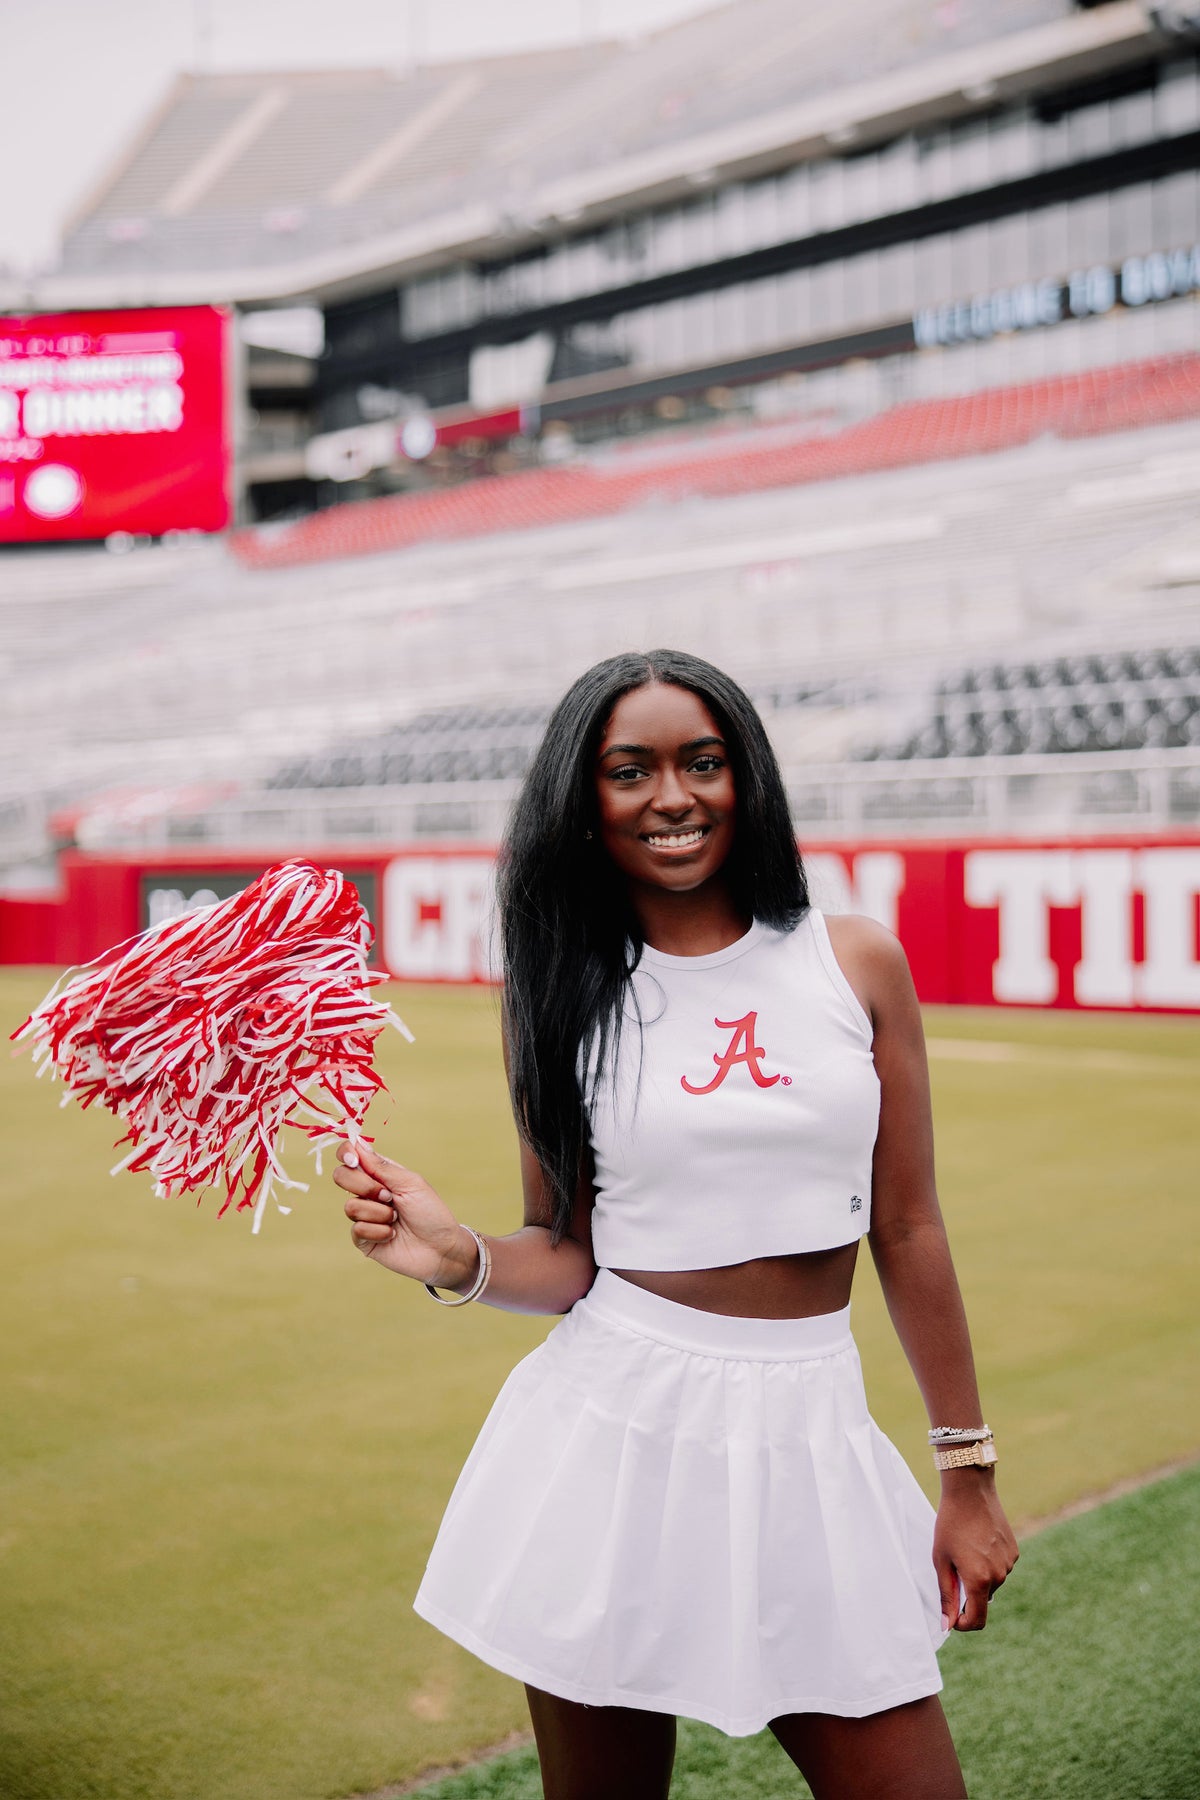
<point>692,924</point>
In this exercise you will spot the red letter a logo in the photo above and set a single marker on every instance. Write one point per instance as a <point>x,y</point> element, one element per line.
<point>741,1049</point>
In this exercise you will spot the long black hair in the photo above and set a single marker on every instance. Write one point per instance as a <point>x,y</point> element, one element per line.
<point>569,934</point>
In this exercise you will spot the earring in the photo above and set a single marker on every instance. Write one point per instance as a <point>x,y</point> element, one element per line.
<point>587,837</point>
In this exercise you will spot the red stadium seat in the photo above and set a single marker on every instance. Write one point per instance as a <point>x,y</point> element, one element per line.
<point>1156,391</point>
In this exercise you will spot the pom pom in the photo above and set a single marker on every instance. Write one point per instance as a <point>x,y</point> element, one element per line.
<point>209,1033</point>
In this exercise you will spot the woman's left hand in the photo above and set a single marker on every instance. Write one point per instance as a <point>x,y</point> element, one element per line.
<point>973,1544</point>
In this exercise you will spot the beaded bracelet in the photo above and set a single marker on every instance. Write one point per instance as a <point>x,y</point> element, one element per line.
<point>481,1279</point>
<point>960,1434</point>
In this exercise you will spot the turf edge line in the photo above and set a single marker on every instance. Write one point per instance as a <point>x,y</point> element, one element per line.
<point>516,1740</point>
<point>1086,1503</point>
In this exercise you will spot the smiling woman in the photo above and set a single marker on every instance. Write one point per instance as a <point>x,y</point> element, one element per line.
<point>680,1503</point>
<point>665,795</point>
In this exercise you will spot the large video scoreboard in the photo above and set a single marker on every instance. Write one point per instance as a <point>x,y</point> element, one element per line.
<point>113,421</point>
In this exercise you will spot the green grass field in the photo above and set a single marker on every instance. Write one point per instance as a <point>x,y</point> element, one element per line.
<point>1082,1688</point>
<point>225,1457</point>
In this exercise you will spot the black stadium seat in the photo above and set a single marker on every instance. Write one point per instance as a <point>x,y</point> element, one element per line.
<point>1138,700</point>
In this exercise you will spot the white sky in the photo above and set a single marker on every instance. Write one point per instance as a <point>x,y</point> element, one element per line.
<point>81,75</point>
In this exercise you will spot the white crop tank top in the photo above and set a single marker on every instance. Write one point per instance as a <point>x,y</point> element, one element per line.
<point>740,1121</point>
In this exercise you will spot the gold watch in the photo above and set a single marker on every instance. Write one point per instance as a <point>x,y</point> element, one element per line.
<point>965,1456</point>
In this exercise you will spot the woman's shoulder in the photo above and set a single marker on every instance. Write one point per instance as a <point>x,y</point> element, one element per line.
<point>865,938</point>
<point>873,961</point>
<point>851,933</point>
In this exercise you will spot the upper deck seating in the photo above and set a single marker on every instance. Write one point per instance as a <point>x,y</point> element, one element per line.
<point>1155,390</point>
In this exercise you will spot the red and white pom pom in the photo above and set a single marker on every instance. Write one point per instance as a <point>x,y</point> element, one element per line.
<point>209,1033</point>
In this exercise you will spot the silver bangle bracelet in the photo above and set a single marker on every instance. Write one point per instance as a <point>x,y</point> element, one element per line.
<point>483,1276</point>
<point>960,1434</point>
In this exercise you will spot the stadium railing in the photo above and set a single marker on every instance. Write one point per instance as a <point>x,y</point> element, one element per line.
<point>1073,795</point>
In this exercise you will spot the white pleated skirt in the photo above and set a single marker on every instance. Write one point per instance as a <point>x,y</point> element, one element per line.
<point>678,1511</point>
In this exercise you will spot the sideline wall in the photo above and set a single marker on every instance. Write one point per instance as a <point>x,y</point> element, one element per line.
<point>1111,923</point>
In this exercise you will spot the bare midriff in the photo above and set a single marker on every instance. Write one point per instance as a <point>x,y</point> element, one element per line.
<point>768,1287</point>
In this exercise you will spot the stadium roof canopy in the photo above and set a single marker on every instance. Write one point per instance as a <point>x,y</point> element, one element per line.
<point>267,187</point>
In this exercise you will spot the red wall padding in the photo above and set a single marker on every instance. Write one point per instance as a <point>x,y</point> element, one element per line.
<point>1111,923</point>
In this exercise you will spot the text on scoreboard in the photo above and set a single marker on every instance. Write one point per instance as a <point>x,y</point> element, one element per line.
<point>113,421</point>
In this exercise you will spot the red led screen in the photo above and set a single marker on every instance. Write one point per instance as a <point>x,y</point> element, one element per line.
<point>113,421</point>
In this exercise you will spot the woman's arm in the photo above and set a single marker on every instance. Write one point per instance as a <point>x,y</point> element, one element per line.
<point>973,1542</point>
<point>398,1220</point>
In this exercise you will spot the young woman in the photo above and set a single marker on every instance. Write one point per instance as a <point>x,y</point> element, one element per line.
<point>679,1503</point>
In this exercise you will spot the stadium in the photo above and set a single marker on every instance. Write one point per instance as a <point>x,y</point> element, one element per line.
<point>856,349</point>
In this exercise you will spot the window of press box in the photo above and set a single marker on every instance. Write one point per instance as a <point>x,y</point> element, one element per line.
<point>1057,103</point>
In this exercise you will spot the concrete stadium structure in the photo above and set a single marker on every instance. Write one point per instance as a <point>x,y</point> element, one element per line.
<point>857,351</point>
<point>541,253</point>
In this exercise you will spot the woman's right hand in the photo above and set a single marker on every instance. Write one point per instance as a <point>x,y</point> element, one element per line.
<point>398,1220</point>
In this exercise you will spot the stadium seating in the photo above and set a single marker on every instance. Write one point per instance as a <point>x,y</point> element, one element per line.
<point>460,743</point>
<point>1138,701</point>
<point>255,165</point>
<point>248,169</point>
<point>1152,391</point>
<point>141,688</point>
